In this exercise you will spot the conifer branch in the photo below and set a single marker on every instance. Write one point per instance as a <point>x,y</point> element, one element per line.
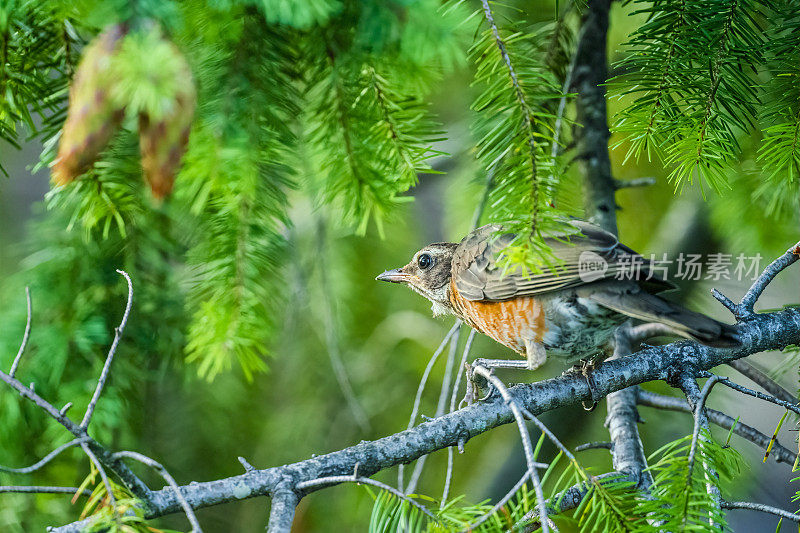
<point>763,332</point>
<point>527,115</point>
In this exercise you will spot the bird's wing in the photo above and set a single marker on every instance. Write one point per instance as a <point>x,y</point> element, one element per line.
<point>478,278</point>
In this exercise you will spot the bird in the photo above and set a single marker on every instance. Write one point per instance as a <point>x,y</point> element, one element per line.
<point>569,311</point>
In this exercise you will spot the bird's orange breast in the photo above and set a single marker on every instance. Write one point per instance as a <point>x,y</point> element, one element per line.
<point>509,322</point>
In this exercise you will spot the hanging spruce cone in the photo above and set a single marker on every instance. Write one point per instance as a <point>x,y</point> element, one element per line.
<point>163,141</point>
<point>93,116</point>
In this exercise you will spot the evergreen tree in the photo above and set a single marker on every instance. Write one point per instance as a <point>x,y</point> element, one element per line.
<point>242,160</point>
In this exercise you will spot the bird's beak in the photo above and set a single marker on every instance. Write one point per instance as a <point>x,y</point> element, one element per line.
<point>395,275</point>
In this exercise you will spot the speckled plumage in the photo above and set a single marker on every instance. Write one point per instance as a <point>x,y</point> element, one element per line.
<point>561,312</point>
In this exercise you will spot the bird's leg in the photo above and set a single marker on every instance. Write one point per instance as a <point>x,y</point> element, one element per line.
<point>535,353</point>
<point>535,357</point>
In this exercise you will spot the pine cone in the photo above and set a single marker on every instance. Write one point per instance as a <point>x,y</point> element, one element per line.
<point>93,116</point>
<point>163,142</point>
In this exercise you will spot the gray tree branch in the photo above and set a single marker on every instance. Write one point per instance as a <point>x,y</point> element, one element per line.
<point>768,331</point>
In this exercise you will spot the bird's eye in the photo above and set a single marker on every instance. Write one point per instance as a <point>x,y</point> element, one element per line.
<point>425,261</point>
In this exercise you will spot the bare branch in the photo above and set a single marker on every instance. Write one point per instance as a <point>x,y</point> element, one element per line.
<point>570,498</point>
<point>45,490</point>
<point>103,475</point>
<point>526,440</point>
<point>761,507</point>
<point>25,336</point>
<point>766,331</point>
<point>791,406</point>
<point>638,182</point>
<point>729,304</point>
<point>599,445</point>
<point>247,466</point>
<point>697,400</point>
<point>744,309</point>
<point>110,357</point>
<point>46,459</point>
<point>281,513</point>
<point>758,377</point>
<point>158,467</point>
<point>128,478</point>
<point>421,387</point>
<point>659,401</point>
<point>751,296</point>
<point>440,406</point>
<point>627,451</point>
<point>332,480</point>
<point>449,474</point>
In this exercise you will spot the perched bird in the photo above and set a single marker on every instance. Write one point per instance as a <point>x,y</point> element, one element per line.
<point>569,312</point>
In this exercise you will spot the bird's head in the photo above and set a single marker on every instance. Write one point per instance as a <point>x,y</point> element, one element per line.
<point>428,273</point>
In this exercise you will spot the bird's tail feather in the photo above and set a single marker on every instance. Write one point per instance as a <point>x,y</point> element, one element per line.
<point>684,322</point>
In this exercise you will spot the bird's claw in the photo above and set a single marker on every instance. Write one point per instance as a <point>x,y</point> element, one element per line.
<point>474,384</point>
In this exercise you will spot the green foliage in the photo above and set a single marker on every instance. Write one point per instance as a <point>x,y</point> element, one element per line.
<point>682,499</point>
<point>37,55</point>
<point>126,515</point>
<point>514,123</point>
<point>779,155</point>
<point>690,75</point>
<point>679,499</point>
<point>368,139</point>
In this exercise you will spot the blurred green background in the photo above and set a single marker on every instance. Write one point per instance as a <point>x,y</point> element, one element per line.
<point>155,403</point>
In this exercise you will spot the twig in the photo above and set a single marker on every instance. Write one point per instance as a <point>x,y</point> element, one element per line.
<point>570,498</point>
<point>110,357</point>
<point>729,304</point>
<point>281,512</point>
<point>158,467</point>
<point>599,445</point>
<point>129,478</point>
<point>247,466</point>
<point>638,182</point>
<point>421,387</point>
<point>659,401</point>
<point>330,480</point>
<point>744,309</point>
<point>748,370</point>
<point>791,406</point>
<point>526,440</point>
<point>45,490</point>
<point>449,474</point>
<point>697,400</point>
<point>103,476</point>
<point>46,459</point>
<point>751,296</point>
<point>499,505</point>
<point>761,507</point>
<point>440,406</point>
<point>25,336</point>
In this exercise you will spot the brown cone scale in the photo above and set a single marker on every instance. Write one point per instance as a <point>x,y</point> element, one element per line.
<point>92,117</point>
<point>163,142</point>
